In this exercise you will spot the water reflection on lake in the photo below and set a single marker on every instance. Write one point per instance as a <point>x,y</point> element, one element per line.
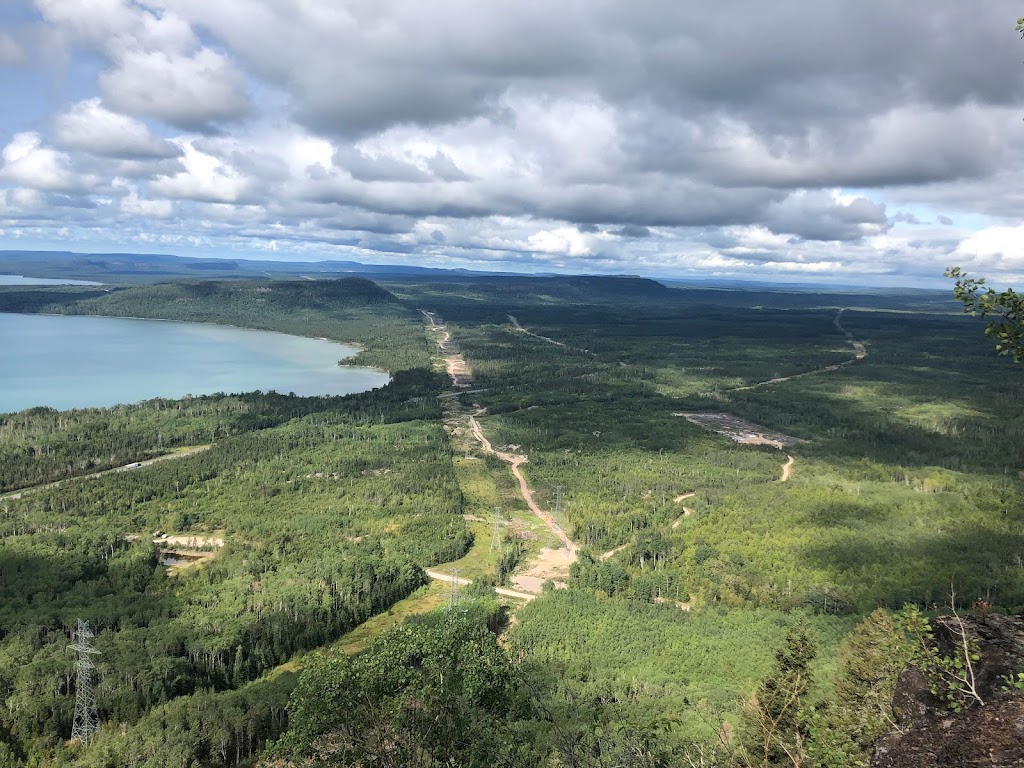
<point>76,362</point>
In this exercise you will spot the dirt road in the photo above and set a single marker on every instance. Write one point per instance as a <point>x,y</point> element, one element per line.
<point>515,461</point>
<point>612,552</point>
<point>859,353</point>
<point>858,348</point>
<point>192,451</point>
<point>449,579</point>
<point>454,362</point>
<point>518,327</point>
<point>787,469</point>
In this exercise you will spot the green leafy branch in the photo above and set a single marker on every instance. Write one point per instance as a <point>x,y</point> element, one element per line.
<point>950,678</point>
<point>1012,682</point>
<point>1008,306</point>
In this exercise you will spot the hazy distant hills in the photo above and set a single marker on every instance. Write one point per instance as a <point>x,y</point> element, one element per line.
<point>139,268</point>
<point>146,267</point>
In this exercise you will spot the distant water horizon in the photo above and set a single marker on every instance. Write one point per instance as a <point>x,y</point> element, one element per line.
<point>76,361</point>
<point>22,280</point>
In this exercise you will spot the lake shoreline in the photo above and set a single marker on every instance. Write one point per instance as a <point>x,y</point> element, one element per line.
<point>77,367</point>
<point>341,363</point>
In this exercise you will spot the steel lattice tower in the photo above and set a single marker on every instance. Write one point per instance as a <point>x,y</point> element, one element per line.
<point>453,598</point>
<point>496,536</point>
<point>87,721</point>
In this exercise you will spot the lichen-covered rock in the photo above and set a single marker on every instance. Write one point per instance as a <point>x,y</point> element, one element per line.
<point>928,735</point>
<point>991,736</point>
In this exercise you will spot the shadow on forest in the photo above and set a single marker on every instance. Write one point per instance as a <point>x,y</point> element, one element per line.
<point>922,568</point>
<point>52,588</point>
<point>863,412</point>
<point>838,429</point>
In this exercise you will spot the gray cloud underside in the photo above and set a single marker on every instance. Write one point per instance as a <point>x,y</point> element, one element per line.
<point>795,134</point>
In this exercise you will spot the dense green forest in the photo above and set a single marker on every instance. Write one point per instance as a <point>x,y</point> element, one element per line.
<point>904,455</point>
<point>703,583</point>
<point>352,310</point>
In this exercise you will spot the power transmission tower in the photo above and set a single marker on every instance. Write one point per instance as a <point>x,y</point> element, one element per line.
<point>559,489</point>
<point>86,721</point>
<point>453,600</point>
<point>496,536</point>
<point>556,515</point>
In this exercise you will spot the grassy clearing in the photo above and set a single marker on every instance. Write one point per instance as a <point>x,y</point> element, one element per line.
<point>426,598</point>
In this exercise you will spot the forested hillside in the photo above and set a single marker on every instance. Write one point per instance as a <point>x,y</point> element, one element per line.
<point>717,583</point>
<point>351,309</point>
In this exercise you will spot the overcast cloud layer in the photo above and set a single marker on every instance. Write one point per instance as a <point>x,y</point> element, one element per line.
<point>858,141</point>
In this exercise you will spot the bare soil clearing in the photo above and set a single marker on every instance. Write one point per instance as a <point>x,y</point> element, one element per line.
<point>191,542</point>
<point>549,565</point>
<point>739,430</point>
<point>183,551</point>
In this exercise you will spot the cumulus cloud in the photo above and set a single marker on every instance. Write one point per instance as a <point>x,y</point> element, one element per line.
<point>188,91</point>
<point>134,206</point>
<point>91,127</point>
<point>661,138</point>
<point>158,66</point>
<point>205,178</point>
<point>997,247</point>
<point>821,216</point>
<point>27,162</point>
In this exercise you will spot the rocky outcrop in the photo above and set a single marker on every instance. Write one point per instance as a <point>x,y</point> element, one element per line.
<point>929,735</point>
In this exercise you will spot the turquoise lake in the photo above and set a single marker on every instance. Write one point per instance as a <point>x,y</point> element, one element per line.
<point>78,362</point>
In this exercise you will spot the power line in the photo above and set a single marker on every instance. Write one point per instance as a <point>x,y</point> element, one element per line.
<point>86,721</point>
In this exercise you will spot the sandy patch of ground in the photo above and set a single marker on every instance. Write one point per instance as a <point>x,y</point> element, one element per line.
<point>548,565</point>
<point>739,430</point>
<point>184,551</point>
<point>678,603</point>
<point>189,541</point>
<point>787,469</point>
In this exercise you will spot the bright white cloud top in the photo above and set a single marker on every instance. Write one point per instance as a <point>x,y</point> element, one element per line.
<point>854,140</point>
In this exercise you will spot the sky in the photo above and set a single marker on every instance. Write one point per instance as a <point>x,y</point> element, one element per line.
<point>863,142</point>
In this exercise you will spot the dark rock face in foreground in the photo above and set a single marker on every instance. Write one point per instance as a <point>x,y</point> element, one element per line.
<point>928,735</point>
